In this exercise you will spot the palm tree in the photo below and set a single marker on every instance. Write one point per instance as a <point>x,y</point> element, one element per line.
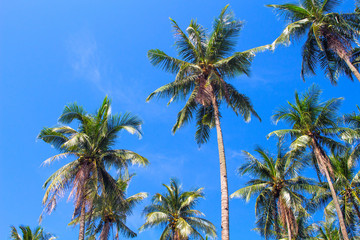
<point>106,214</point>
<point>91,146</point>
<point>313,125</point>
<point>277,186</point>
<point>175,211</point>
<point>346,184</point>
<point>330,36</point>
<point>206,62</point>
<point>28,234</point>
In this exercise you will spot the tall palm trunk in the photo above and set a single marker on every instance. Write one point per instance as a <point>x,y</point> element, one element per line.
<point>84,175</point>
<point>105,231</point>
<point>288,227</point>
<point>284,216</point>
<point>225,234</point>
<point>82,220</point>
<point>322,159</point>
<point>176,235</point>
<point>352,67</point>
<point>275,216</point>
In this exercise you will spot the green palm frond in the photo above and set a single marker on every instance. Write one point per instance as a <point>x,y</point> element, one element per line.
<point>73,112</point>
<point>129,122</point>
<point>197,36</point>
<point>37,233</point>
<point>53,137</point>
<point>58,157</point>
<point>205,121</point>
<point>240,104</point>
<point>177,89</point>
<point>329,5</point>
<point>293,30</point>
<point>291,11</point>
<point>237,64</point>
<point>186,114</point>
<point>162,60</point>
<point>222,40</point>
<point>14,234</point>
<point>186,49</point>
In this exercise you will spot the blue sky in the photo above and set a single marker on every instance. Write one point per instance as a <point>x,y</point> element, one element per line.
<point>57,52</point>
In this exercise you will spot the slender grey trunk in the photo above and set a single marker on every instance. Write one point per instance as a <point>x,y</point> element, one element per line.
<point>225,234</point>
<point>321,158</point>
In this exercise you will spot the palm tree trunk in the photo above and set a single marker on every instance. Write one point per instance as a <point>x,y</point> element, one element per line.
<point>105,231</point>
<point>225,234</point>
<point>275,216</point>
<point>288,226</point>
<point>284,213</point>
<point>176,235</point>
<point>352,67</point>
<point>84,175</point>
<point>82,222</point>
<point>321,158</point>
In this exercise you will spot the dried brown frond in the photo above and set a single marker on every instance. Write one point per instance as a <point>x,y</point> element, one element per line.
<point>205,92</point>
<point>337,43</point>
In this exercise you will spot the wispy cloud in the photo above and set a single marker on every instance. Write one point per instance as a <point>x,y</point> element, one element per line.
<point>234,154</point>
<point>89,64</point>
<point>84,57</point>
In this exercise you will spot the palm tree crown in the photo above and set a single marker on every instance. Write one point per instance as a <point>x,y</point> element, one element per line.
<point>206,61</point>
<point>91,146</point>
<point>175,211</point>
<point>277,186</point>
<point>330,36</point>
